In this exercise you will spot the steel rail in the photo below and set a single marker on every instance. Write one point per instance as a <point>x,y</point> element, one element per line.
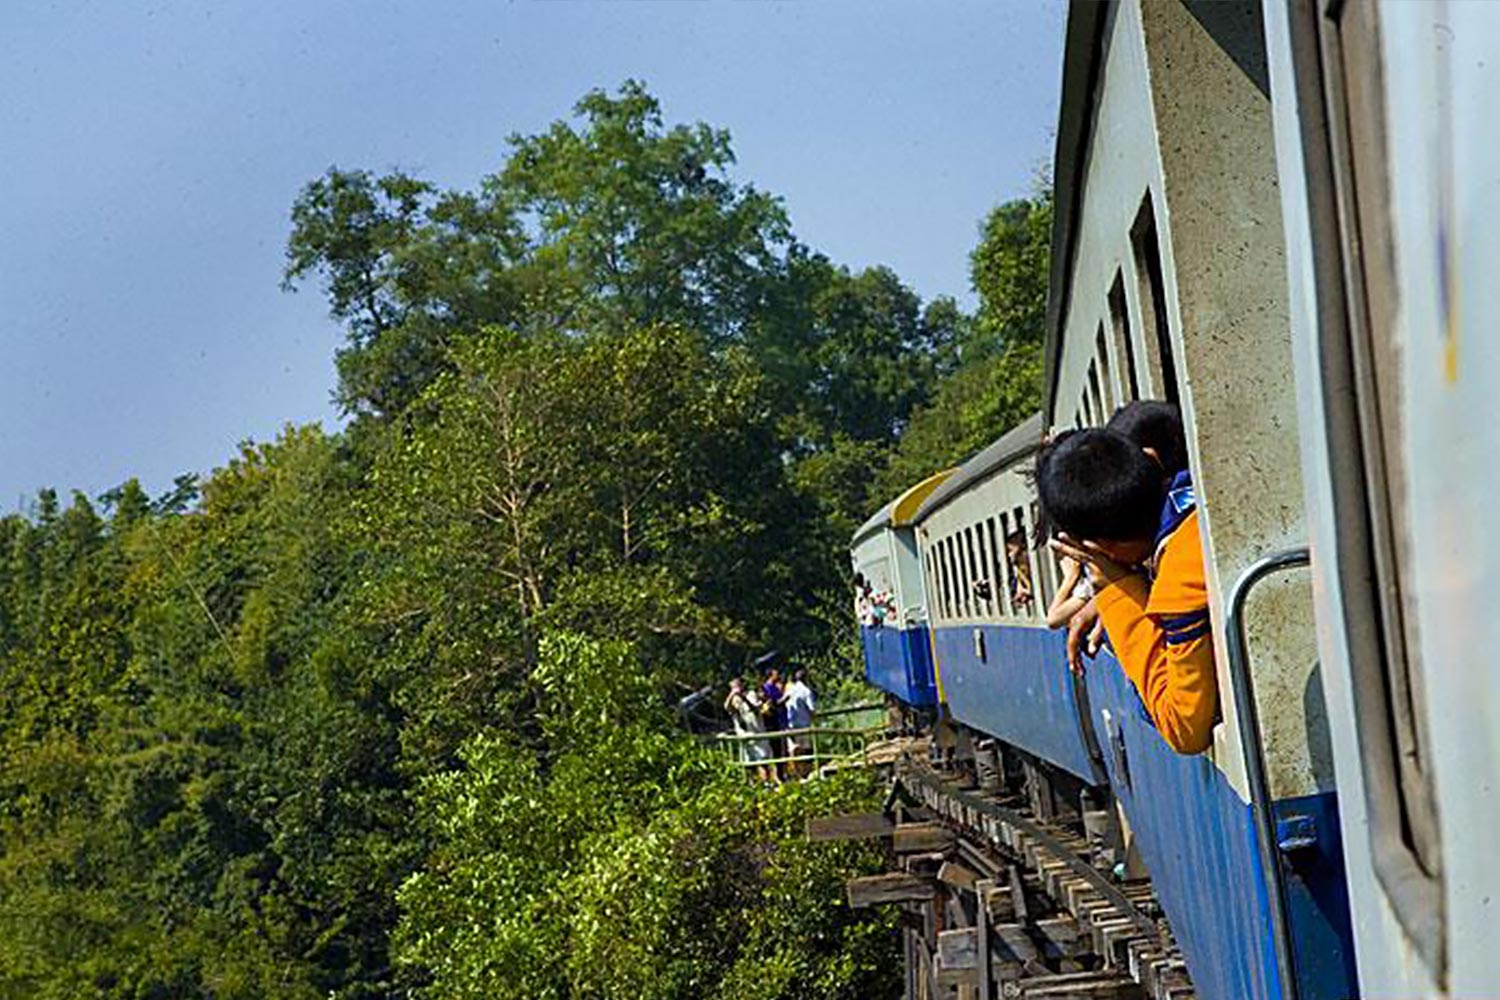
<point>1096,879</point>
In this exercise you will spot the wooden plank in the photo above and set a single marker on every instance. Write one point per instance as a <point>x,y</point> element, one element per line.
<point>854,826</point>
<point>1002,971</point>
<point>1017,894</point>
<point>1011,943</point>
<point>1080,986</point>
<point>958,949</point>
<point>917,838</point>
<point>897,887</point>
<point>954,874</point>
<point>982,890</point>
<point>1061,937</point>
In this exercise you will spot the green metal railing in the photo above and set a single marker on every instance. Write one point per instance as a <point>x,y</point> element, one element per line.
<point>839,735</point>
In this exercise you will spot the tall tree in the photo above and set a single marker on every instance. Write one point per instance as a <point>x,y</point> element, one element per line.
<point>998,379</point>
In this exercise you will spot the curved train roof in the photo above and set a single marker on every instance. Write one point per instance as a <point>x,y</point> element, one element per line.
<point>1019,441</point>
<point>902,510</point>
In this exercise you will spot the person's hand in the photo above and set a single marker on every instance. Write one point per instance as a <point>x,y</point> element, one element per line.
<point>1080,627</point>
<point>1102,569</point>
<point>1096,637</point>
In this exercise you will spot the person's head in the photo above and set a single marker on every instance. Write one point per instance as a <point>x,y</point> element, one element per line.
<point>736,685</point>
<point>800,676</point>
<point>859,583</point>
<point>1156,428</point>
<point>1098,486</point>
<point>1015,544</point>
<point>773,675</point>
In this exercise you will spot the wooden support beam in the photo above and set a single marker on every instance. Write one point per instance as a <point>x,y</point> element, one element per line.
<point>1078,986</point>
<point>1061,937</point>
<point>855,826</point>
<point>917,838</point>
<point>957,875</point>
<point>958,949</point>
<point>1017,894</point>
<point>897,887</point>
<point>1011,943</point>
<point>982,889</point>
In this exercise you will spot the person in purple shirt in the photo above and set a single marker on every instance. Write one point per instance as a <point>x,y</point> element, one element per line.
<point>774,712</point>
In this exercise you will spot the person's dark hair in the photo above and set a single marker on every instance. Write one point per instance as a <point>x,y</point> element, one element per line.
<point>1096,484</point>
<point>1151,423</point>
<point>801,675</point>
<point>1016,537</point>
<point>859,581</point>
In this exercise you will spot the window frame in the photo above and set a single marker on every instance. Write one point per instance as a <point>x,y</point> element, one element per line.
<point>1341,86</point>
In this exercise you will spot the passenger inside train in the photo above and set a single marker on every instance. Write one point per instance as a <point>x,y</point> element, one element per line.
<point>1020,569</point>
<point>1127,512</point>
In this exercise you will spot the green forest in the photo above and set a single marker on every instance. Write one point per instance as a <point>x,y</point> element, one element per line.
<point>389,712</point>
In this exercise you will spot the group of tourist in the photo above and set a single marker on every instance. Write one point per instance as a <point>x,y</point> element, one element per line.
<point>782,713</point>
<point>873,607</point>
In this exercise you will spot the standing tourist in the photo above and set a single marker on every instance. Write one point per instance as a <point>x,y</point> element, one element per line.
<point>744,707</point>
<point>800,706</point>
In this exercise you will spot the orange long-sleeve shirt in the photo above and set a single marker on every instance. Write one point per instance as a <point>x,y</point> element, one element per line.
<point>1161,635</point>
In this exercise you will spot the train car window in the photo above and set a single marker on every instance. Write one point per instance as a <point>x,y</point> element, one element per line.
<point>951,573</point>
<point>1111,396</point>
<point>1046,581</point>
<point>982,550</point>
<point>940,579</point>
<point>1028,569</point>
<point>934,607</point>
<point>1153,296</point>
<point>1363,372</point>
<point>972,565</point>
<point>997,578</point>
<point>965,585</point>
<point>1003,562</point>
<point>1119,322</point>
<point>1101,413</point>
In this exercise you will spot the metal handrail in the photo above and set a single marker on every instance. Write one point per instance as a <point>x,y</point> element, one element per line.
<point>1248,717</point>
<point>862,734</point>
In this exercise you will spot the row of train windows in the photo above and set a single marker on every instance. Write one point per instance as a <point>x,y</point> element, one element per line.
<point>1112,379</point>
<point>975,574</point>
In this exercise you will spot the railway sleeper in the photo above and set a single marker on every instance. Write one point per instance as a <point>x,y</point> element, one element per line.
<point>1053,931</point>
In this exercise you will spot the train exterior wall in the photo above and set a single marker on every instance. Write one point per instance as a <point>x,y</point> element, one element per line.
<point>1020,691</point>
<point>899,662</point>
<point>1177,252</point>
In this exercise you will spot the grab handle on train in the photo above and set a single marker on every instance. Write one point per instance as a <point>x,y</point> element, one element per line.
<point>1248,718</point>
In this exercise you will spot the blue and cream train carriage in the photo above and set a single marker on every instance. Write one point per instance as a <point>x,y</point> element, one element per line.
<point>1285,218</point>
<point>898,650</point>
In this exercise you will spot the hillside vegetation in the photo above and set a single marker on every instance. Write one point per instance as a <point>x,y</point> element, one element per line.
<point>388,712</point>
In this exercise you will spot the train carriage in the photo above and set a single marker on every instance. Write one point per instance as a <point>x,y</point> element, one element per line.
<point>998,659</point>
<point>897,649</point>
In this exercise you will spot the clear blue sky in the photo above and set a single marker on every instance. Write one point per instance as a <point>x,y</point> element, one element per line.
<point>151,152</point>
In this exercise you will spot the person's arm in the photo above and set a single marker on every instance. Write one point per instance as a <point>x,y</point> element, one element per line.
<point>1161,635</point>
<point>1169,660</point>
<point>1064,605</point>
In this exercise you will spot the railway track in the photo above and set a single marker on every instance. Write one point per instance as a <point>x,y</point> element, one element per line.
<point>999,903</point>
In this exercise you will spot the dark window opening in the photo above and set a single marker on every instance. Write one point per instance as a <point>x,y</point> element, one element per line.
<point>1153,295</point>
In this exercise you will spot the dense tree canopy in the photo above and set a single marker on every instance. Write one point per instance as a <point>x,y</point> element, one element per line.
<point>387,713</point>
